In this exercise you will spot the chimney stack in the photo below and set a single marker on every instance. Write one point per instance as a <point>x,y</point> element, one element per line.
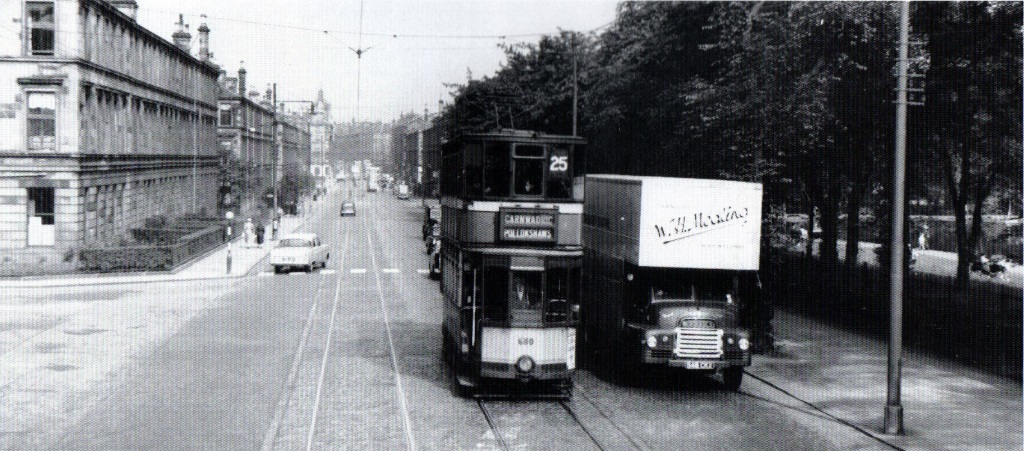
<point>128,7</point>
<point>204,41</point>
<point>241,80</point>
<point>182,38</point>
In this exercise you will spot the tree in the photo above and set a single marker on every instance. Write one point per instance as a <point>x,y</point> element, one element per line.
<point>971,121</point>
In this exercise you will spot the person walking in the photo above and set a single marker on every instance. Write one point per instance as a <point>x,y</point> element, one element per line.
<point>260,230</point>
<point>248,232</point>
<point>922,239</point>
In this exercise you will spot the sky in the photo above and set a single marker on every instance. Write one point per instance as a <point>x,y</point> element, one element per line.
<point>411,48</point>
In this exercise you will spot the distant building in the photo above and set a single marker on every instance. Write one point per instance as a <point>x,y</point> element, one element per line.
<point>320,131</point>
<point>358,141</point>
<point>103,124</point>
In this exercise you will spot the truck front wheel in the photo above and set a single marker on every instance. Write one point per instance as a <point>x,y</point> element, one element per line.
<point>732,377</point>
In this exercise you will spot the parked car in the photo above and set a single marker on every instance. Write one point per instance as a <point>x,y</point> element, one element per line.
<point>348,208</point>
<point>299,250</point>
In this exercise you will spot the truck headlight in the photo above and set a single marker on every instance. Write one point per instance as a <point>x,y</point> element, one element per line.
<point>652,341</point>
<point>744,344</point>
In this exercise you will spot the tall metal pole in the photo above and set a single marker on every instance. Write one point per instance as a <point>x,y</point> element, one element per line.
<point>575,85</point>
<point>893,406</point>
<point>277,154</point>
<point>195,138</point>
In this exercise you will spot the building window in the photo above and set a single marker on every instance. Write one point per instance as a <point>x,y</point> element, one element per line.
<point>226,116</point>
<point>40,27</point>
<point>40,217</point>
<point>42,121</point>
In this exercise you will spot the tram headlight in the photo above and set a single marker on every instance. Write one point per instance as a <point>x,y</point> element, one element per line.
<point>525,364</point>
<point>652,341</point>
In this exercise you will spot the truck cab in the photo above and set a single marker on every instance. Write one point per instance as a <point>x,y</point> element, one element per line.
<point>688,318</point>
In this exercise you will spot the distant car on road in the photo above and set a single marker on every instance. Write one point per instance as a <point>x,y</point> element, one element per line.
<point>402,191</point>
<point>348,208</point>
<point>299,250</point>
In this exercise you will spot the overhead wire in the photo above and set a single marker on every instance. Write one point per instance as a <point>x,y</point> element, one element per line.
<point>376,34</point>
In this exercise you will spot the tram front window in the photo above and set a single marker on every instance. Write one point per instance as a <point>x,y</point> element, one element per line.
<point>525,297</point>
<point>496,294</point>
<point>558,295</point>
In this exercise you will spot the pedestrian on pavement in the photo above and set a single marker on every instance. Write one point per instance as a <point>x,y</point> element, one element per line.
<point>922,239</point>
<point>248,233</point>
<point>259,234</point>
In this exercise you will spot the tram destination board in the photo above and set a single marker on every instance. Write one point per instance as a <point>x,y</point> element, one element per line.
<point>527,225</point>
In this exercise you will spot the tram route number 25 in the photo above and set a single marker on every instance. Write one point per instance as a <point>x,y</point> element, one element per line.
<point>559,163</point>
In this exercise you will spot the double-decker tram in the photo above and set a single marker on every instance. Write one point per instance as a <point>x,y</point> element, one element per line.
<point>512,253</point>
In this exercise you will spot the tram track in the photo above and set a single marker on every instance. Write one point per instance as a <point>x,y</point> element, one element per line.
<point>292,385</point>
<point>510,410</point>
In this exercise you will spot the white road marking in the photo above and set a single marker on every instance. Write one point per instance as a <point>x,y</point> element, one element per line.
<point>265,274</point>
<point>389,270</point>
<point>423,271</point>
<point>327,271</point>
<point>48,307</point>
<point>358,271</point>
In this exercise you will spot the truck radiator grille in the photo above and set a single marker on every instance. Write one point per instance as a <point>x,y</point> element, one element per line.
<point>698,343</point>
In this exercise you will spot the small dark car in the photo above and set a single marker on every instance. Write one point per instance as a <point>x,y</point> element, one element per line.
<point>348,208</point>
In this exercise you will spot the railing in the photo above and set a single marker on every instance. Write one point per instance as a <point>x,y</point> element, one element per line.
<point>164,256</point>
<point>979,325</point>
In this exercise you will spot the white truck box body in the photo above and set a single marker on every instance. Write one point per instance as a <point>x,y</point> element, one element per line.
<point>675,222</point>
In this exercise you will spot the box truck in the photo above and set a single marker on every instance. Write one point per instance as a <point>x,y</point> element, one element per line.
<point>669,263</point>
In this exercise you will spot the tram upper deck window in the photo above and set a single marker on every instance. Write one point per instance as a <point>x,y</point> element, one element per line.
<point>529,169</point>
<point>474,157</point>
<point>496,169</point>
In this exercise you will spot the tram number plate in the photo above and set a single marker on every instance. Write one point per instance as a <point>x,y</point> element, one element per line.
<point>525,341</point>
<point>695,365</point>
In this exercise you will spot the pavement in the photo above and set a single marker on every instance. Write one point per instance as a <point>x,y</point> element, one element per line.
<point>822,370</point>
<point>213,265</point>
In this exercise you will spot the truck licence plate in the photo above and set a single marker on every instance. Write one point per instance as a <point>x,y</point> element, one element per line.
<point>696,365</point>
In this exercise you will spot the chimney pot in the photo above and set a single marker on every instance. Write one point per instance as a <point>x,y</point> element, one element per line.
<point>204,41</point>
<point>182,38</point>
<point>241,80</point>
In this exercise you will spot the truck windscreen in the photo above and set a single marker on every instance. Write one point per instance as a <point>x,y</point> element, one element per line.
<point>693,287</point>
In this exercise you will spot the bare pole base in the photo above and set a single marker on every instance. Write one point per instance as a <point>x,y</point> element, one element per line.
<point>894,420</point>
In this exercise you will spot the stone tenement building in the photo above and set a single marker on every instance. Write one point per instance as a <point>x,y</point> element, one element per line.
<point>102,125</point>
<point>245,129</point>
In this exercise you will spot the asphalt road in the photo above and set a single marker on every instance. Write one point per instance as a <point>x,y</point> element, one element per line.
<point>347,357</point>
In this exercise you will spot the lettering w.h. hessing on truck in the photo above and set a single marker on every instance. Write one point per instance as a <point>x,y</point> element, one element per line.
<point>679,228</point>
